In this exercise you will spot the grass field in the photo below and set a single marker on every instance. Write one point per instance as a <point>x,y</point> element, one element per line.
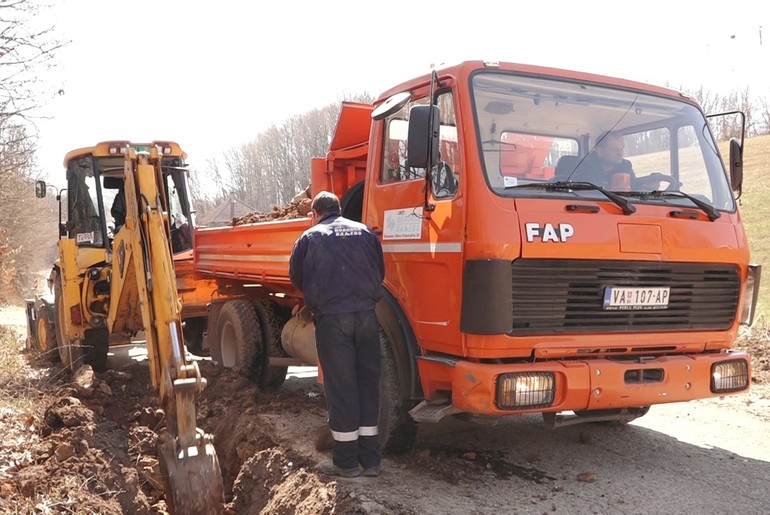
<point>755,210</point>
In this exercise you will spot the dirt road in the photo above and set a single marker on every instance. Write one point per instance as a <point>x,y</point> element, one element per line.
<point>90,450</point>
<point>700,457</point>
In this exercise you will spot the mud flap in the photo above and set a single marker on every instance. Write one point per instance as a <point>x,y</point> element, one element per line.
<point>192,477</point>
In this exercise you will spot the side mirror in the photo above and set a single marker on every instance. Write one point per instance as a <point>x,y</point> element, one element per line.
<point>736,165</point>
<point>40,189</point>
<point>423,137</point>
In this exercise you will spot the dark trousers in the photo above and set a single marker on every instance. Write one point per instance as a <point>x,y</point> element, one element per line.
<point>349,351</point>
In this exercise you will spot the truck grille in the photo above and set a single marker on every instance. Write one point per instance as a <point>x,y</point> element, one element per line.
<point>552,296</point>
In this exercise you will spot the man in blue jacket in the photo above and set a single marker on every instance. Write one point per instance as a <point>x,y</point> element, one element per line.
<point>338,266</point>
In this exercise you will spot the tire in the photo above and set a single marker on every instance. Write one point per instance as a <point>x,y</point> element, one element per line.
<point>45,338</point>
<point>239,339</point>
<point>397,428</point>
<point>271,323</point>
<point>352,203</point>
<point>70,353</point>
<point>96,345</point>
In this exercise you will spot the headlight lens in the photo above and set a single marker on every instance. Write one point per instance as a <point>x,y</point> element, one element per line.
<point>520,390</point>
<point>730,376</point>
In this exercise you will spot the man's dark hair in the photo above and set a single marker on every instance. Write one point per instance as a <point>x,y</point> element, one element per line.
<point>326,202</point>
<point>606,135</point>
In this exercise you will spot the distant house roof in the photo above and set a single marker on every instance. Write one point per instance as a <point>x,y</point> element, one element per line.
<point>224,213</point>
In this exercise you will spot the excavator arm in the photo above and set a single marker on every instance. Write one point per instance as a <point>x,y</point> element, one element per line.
<point>143,273</point>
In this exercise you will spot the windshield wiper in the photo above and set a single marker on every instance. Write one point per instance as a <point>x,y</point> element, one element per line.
<point>621,202</point>
<point>712,212</point>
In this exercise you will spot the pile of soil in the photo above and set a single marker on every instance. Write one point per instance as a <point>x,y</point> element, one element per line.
<point>299,207</point>
<point>92,450</point>
<point>75,455</point>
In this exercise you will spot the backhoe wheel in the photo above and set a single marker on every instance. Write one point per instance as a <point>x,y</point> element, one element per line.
<point>71,353</point>
<point>238,337</point>
<point>45,343</point>
<point>193,483</point>
<point>271,323</point>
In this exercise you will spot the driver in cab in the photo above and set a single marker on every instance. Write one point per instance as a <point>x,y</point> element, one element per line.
<point>606,160</point>
<point>605,166</point>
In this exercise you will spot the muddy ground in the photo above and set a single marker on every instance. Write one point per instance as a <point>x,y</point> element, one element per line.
<point>91,447</point>
<point>84,443</point>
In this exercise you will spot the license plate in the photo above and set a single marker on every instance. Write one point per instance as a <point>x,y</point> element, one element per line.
<point>616,298</point>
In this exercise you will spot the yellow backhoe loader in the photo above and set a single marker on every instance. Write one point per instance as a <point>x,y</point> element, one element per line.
<point>114,280</point>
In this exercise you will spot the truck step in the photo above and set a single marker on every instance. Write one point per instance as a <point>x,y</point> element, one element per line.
<point>427,412</point>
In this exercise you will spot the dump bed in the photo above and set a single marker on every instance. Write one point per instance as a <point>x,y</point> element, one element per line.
<point>253,253</point>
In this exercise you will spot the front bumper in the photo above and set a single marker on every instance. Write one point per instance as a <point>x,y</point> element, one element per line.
<point>587,384</point>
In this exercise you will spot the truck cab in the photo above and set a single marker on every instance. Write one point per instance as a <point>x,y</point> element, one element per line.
<point>525,283</point>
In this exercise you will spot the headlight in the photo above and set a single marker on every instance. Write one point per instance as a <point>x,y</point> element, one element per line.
<point>730,376</point>
<point>520,390</point>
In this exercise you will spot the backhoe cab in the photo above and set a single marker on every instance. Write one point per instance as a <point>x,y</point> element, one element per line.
<point>127,214</point>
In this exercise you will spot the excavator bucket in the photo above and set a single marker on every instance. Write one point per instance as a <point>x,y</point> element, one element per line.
<point>192,477</point>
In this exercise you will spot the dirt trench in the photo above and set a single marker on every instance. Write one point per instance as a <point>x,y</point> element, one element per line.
<point>92,450</point>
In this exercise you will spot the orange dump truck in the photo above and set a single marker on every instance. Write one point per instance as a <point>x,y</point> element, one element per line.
<point>513,283</point>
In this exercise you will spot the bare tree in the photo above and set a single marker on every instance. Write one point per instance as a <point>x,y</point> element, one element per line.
<point>28,226</point>
<point>25,53</point>
<point>272,168</point>
<point>764,115</point>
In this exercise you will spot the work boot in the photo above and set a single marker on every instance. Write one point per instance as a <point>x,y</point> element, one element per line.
<point>371,471</point>
<point>330,469</point>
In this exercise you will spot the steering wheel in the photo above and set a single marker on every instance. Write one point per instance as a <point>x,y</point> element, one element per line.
<point>442,181</point>
<point>673,183</point>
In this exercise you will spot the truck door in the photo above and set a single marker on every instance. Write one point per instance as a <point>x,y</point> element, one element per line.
<point>421,233</point>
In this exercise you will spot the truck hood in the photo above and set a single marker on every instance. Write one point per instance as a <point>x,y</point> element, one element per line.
<point>599,230</point>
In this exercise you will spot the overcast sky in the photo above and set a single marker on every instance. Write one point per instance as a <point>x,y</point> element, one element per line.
<point>213,75</point>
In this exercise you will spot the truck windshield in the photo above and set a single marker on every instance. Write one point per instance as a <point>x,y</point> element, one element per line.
<point>536,130</point>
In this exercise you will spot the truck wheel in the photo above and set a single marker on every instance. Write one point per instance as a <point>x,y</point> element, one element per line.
<point>45,342</point>
<point>71,353</point>
<point>238,337</point>
<point>96,345</point>
<point>352,203</point>
<point>271,323</point>
<point>397,427</point>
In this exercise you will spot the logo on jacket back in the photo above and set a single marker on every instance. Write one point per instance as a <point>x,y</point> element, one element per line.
<point>548,233</point>
<point>341,232</point>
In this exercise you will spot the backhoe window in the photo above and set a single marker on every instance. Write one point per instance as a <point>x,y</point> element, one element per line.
<point>181,226</point>
<point>83,224</point>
